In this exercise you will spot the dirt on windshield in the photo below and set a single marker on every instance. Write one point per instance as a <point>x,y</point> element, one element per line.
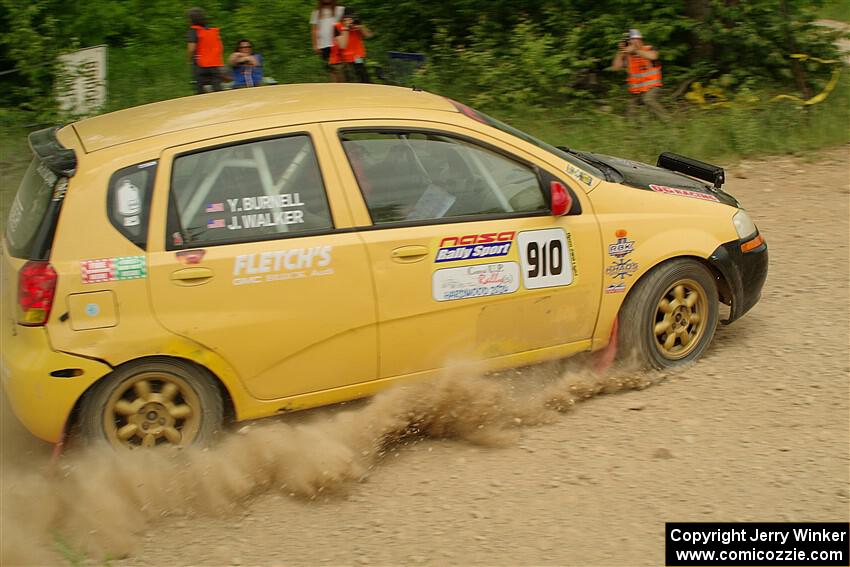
<point>549,465</point>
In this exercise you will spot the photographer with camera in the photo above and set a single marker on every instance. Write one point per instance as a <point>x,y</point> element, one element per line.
<point>643,68</point>
<point>351,48</point>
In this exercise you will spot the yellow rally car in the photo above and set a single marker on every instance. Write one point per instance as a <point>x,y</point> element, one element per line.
<point>240,254</point>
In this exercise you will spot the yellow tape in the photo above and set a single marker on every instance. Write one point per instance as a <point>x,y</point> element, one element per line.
<point>804,57</point>
<point>698,94</point>
<point>820,97</point>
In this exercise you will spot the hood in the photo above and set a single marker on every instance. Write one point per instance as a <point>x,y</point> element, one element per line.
<point>651,178</point>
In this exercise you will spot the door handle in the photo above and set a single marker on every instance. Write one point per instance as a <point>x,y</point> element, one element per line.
<point>409,254</point>
<point>192,276</point>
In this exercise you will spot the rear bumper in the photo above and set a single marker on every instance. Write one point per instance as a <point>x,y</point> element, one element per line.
<point>40,401</point>
<point>745,272</point>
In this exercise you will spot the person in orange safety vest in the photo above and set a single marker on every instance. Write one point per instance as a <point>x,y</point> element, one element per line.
<point>644,70</point>
<point>206,52</point>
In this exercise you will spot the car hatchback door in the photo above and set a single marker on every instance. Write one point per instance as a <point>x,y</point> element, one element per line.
<point>469,264</point>
<point>256,265</point>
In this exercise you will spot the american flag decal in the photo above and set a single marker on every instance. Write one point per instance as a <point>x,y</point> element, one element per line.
<point>215,208</point>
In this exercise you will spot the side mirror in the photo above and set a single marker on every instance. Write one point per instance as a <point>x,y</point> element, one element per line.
<point>562,201</point>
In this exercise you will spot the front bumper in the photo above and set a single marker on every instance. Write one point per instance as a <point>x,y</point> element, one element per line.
<point>744,272</point>
<point>40,401</point>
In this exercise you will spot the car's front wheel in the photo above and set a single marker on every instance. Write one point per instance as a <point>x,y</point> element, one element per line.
<point>152,403</point>
<point>669,318</point>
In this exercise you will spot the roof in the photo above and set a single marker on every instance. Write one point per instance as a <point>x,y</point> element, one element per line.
<point>196,111</point>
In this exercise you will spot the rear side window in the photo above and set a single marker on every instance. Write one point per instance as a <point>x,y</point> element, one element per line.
<point>29,210</point>
<point>425,176</point>
<point>128,201</point>
<point>260,190</point>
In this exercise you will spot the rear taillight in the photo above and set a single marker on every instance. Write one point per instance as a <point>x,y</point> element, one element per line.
<point>36,287</point>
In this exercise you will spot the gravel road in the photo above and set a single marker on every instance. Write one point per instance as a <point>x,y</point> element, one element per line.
<point>758,430</point>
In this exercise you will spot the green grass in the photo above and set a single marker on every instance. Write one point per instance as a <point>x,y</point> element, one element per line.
<point>73,556</point>
<point>835,10</point>
<point>718,134</point>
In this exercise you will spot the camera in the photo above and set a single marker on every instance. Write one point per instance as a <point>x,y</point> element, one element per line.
<point>624,39</point>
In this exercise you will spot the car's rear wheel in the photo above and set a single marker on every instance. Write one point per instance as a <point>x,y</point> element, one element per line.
<point>156,402</point>
<point>670,317</point>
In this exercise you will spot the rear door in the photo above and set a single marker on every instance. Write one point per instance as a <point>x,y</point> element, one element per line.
<point>468,262</point>
<point>257,265</point>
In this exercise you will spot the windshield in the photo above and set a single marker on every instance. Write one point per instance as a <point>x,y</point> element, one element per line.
<point>29,209</point>
<point>498,124</point>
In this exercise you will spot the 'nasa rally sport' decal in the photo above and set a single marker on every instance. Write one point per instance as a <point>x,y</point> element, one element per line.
<point>545,257</point>
<point>475,246</point>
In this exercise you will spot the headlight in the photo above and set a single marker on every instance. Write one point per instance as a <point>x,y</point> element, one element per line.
<point>744,225</point>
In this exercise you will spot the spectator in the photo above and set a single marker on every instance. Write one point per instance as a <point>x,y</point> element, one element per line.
<point>247,66</point>
<point>353,50</point>
<point>205,51</point>
<point>643,68</point>
<point>323,21</point>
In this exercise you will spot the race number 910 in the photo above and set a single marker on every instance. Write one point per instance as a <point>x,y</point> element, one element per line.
<point>545,258</point>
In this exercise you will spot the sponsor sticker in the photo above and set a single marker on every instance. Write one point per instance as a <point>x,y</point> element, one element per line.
<point>475,246</point>
<point>579,174</point>
<point>295,263</point>
<point>622,268</point>
<point>684,193</point>
<point>622,247</point>
<point>481,280</point>
<point>60,189</point>
<point>546,257</point>
<point>113,269</point>
<point>616,288</point>
<point>190,257</point>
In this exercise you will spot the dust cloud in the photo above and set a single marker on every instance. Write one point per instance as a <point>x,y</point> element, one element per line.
<point>99,501</point>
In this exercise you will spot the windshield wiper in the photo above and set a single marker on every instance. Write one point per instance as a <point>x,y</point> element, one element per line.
<point>611,172</point>
<point>595,162</point>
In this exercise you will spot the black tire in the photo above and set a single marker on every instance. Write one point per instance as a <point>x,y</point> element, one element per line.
<point>156,401</point>
<point>670,316</point>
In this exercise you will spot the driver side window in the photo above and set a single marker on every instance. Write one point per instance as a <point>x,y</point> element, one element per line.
<point>408,176</point>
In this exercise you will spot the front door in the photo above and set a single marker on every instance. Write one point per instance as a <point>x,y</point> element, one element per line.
<point>468,262</point>
<point>255,266</point>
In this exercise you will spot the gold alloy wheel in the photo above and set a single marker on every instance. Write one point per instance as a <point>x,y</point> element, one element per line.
<point>680,319</point>
<point>150,409</point>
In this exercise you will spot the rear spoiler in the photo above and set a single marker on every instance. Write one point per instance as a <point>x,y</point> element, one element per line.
<point>692,167</point>
<point>49,151</point>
